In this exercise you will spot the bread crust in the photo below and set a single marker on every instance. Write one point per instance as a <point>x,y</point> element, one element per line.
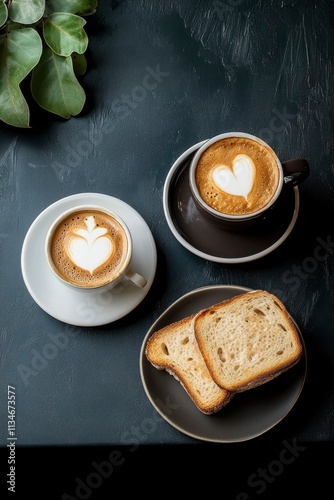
<point>228,348</point>
<point>263,344</point>
<point>175,350</point>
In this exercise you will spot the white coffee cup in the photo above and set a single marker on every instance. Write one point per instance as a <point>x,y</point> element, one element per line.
<point>90,248</point>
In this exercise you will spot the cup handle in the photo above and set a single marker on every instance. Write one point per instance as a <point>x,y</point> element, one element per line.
<point>136,279</point>
<point>295,171</point>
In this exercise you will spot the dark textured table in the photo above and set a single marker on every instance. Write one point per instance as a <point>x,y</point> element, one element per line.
<point>163,76</point>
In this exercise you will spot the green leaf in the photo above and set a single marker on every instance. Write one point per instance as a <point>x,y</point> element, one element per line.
<point>80,7</point>
<point>11,26</point>
<point>64,34</point>
<point>3,13</point>
<point>20,51</point>
<point>55,87</point>
<point>79,63</point>
<point>26,11</point>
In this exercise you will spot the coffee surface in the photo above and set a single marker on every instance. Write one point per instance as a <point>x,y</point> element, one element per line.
<point>89,248</point>
<point>237,176</point>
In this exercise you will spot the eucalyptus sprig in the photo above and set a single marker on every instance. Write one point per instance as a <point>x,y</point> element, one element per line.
<point>43,40</point>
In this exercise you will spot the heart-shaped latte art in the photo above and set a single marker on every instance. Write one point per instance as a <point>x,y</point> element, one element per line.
<point>89,248</point>
<point>238,181</point>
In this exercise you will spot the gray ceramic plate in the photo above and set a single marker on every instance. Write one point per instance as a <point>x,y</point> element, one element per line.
<point>248,415</point>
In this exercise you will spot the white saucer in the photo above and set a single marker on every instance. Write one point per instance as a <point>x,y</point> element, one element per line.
<point>78,307</point>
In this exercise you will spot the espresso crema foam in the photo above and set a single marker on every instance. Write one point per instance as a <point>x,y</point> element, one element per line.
<point>89,248</point>
<point>237,176</point>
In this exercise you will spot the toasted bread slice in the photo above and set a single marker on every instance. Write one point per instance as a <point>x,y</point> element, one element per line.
<point>174,349</point>
<point>247,340</point>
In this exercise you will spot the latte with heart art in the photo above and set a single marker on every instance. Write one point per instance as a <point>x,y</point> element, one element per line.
<point>89,248</point>
<point>237,176</point>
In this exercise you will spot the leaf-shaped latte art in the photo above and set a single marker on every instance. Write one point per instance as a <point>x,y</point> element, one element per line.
<point>89,248</point>
<point>238,181</point>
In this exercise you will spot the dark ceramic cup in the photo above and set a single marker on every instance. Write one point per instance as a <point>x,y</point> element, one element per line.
<point>241,172</point>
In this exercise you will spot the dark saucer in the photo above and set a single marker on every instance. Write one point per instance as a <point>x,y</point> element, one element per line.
<point>210,242</point>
